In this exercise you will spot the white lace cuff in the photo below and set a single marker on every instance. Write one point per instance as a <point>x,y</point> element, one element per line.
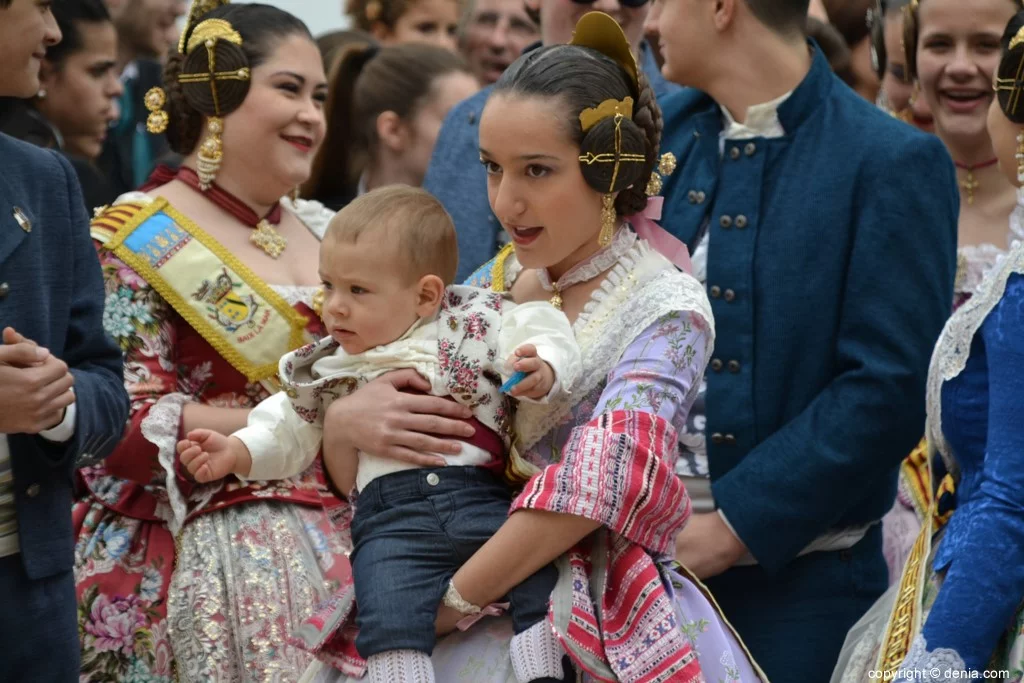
<point>942,664</point>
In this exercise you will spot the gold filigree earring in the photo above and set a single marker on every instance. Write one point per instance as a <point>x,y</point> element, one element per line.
<point>211,153</point>
<point>608,220</point>
<point>156,122</point>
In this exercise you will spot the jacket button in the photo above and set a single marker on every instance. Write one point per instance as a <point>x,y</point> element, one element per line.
<point>717,438</point>
<point>691,196</point>
<point>715,291</point>
<point>730,440</point>
<point>472,117</point>
<point>734,153</point>
<point>700,197</point>
<point>750,149</point>
<point>433,479</point>
<point>741,221</point>
<point>4,289</point>
<point>32,491</point>
<point>730,295</point>
<point>725,222</point>
<point>716,364</point>
<point>734,366</point>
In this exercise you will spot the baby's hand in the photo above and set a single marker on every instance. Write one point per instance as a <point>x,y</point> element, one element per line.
<point>208,455</point>
<point>540,376</point>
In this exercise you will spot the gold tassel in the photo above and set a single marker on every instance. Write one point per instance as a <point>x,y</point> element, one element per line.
<point>211,153</point>
<point>608,220</point>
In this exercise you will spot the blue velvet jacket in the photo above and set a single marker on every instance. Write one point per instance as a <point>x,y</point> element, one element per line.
<point>51,290</point>
<point>831,263</point>
<point>456,177</point>
<point>982,550</point>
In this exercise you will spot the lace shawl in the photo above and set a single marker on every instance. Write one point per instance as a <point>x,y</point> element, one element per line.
<point>641,288</point>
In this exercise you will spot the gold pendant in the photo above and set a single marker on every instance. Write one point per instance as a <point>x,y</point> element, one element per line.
<point>268,239</point>
<point>556,300</point>
<point>970,184</point>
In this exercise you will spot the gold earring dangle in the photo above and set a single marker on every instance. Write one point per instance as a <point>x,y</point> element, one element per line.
<point>609,219</point>
<point>211,153</point>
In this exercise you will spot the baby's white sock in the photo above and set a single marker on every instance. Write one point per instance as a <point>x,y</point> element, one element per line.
<point>400,666</point>
<point>536,653</point>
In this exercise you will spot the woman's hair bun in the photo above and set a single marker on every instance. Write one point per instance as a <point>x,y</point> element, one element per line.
<point>598,154</point>
<point>1010,74</point>
<point>199,83</point>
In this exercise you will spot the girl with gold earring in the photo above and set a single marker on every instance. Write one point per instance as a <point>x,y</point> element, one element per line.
<point>211,268</point>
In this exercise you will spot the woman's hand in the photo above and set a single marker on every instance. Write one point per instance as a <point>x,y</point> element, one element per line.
<point>380,419</point>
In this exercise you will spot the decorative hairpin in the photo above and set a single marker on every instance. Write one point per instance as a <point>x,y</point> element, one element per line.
<point>594,115</point>
<point>1013,85</point>
<point>600,32</point>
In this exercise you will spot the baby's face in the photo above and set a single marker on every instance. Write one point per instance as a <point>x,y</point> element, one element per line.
<point>367,303</point>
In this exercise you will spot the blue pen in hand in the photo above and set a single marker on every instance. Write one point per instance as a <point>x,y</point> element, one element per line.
<point>515,379</point>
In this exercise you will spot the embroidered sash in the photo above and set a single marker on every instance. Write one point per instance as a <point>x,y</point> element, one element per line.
<point>229,305</point>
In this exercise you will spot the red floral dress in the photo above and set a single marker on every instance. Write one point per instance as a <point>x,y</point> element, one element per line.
<point>250,560</point>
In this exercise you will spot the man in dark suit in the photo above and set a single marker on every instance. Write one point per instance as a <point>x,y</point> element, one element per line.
<point>62,397</point>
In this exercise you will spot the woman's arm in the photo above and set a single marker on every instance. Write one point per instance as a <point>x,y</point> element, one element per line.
<point>380,419</point>
<point>647,392</point>
<point>144,331</point>
<point>985,582</point>
<point>222,420</point>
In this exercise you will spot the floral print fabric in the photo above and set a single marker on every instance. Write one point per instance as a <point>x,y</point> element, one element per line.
<point>125,564</point>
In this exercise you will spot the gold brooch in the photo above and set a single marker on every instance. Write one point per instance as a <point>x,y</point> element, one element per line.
<point>22,219</point>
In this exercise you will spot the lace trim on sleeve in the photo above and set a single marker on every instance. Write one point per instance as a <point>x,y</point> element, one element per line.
<point>942,664</point>
<point>161,428</point>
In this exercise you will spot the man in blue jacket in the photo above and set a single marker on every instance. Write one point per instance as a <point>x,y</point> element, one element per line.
<point>455,175</point>
<point>62,397</point>
<point>825,231</point>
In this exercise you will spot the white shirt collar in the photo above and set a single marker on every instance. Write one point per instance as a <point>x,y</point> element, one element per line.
<point>762,121</point>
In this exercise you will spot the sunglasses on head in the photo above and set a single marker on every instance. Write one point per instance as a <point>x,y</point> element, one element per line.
<point>625,3</point>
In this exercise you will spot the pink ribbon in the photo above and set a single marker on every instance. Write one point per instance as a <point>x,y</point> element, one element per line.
<point>493,610</point>
<point>664,242</point>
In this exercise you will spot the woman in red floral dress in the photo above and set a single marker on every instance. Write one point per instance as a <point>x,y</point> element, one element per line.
<point>207,285</point>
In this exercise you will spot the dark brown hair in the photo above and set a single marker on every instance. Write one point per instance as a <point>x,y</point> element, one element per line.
<point>366,81</point>
<point>366,13</point>
<point>332,43</point>
<point>262,27</point>
<point>782,16</point>
<point>409,219</point>
<point>584,78</point>
<point>850,19</point>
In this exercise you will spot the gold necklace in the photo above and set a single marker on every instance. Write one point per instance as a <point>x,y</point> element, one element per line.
<point>970,183</point>
<point>268,239</point>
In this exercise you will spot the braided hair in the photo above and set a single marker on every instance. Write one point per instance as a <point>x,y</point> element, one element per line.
<point>261,27</point>
<point>583,78</point>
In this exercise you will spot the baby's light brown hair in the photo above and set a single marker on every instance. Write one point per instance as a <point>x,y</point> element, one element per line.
<point>407,220</point>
